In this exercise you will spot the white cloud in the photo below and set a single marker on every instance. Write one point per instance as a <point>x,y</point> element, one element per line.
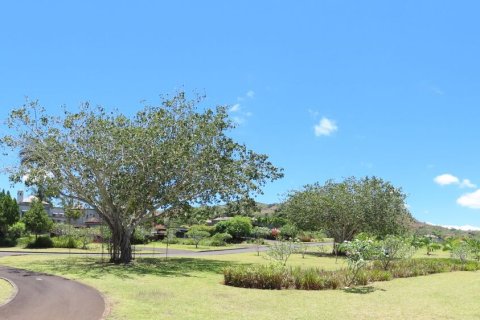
<point>470,200</point>
<point>235,108</point>
<point>250,94</point>
<point>325,127</point>
<point>446,179</point>
<point>466,227</point>
<point>466,183</point>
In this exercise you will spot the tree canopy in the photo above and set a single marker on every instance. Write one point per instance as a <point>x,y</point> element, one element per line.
<point>163,158</point>
<point>343,209</point>
<point>9,212</point>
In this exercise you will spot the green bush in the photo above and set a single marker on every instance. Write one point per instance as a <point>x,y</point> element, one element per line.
<point>289,231</point>
<point>274,276</point>
<point>8,242</point>
<point>140,236</point>
<point>238,227</point>
<point>41,242</point>
<point>67,242</point>
<point>256,276</point>
<point>218,240</point>
<point>172,240</point>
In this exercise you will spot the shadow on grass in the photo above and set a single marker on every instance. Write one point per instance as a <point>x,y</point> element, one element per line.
<point>362,290</point>
<point>94,268</point>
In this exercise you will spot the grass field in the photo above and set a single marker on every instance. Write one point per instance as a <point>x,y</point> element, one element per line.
<point>191,288</point>
<point>6,291</point>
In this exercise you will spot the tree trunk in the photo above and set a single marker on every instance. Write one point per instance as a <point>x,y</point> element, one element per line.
<point>121,245</point>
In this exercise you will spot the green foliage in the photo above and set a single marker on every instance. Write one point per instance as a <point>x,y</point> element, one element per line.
<point>346,208</point>
<point>201,227</point>
<point>68,242</point>
<point>42,242</point>
<point>358,253</point>
<point>461,251</point>
<point>85,236</point>
<point>165,157</point>
<point>289,231</point>
<point>9,213</point>
<point>16,230</point>
<point>140,235</point>
<point>429,244</point>
<point>219,239</point>
<point>197,235</point>
<point>271,276</point>
<point>271,222</point>
<point>36,219</point>
<point>274,276</point>
<point>393,248</point>
<point>280,251</point>
<point>238,227</point>
<point>261,232</point>
<point>474,246</point>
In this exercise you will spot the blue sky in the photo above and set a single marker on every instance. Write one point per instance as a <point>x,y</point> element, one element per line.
<point>328,89</point>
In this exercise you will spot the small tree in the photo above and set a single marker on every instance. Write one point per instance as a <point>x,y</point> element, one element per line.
<point>474,245</point>
<point>461,251</point>
<point>302,248</point>
<point>430,245</point>
<point>37,220</point>
<point>260,233</point>
<point>358,253</point>
<point>197,235</point>
<point>392,248</point>
<point>280,251</point>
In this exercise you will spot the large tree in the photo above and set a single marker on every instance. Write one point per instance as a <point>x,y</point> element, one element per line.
<point>343,209</point>
<point>164,158</point>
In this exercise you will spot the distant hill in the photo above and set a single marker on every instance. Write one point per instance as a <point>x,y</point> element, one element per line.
<point>422,228</point>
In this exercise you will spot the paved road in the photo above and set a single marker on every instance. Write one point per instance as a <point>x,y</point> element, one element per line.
<point>160,251</point>
<point>46,297</point>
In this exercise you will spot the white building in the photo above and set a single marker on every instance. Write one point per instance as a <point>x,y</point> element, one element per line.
<point>89,218</point>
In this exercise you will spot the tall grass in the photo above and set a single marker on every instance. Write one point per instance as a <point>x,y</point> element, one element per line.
<point>274,276</point>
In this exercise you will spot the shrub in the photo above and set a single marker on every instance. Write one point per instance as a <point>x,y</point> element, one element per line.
<point>261,232</point>
<point>219,239</point>
<point>274,276</point>
<point>140,236</point>
<point>238,227</point>
<point>171,240</point>
<point>16,230</point>
<point>256,276</point>
<point>289,231</point>
<point>379,275</point>
<point>41,242</point>
<point>68,242</point>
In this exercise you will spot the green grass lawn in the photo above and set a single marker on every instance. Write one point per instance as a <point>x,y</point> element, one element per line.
<point>6,291</point>
<point>191,288</point>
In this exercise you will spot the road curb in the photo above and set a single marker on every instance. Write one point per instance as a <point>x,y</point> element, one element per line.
<point>14,293</point>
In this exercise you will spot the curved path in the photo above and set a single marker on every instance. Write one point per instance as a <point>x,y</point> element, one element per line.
<point>45,297</point>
